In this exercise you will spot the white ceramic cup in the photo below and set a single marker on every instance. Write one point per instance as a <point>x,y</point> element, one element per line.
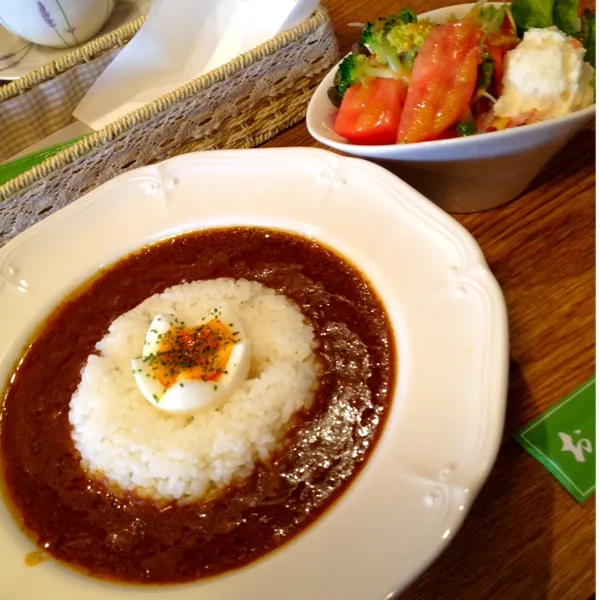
<point>55,23</point>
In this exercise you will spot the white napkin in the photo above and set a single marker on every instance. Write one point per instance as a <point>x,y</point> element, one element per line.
<point>181,40</point>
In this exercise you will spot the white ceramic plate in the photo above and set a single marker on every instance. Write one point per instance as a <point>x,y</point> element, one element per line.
<point>450,324</point>
<point>18,57</point>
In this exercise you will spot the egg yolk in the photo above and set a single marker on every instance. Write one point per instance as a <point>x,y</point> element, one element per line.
<point>199,353</point>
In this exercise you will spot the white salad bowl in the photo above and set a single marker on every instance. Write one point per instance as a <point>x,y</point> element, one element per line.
<point>461,175</point>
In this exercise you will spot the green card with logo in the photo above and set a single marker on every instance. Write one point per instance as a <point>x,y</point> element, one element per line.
<point>563,439</point>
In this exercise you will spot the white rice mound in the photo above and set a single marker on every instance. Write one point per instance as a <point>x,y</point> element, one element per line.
<point>125,439</point>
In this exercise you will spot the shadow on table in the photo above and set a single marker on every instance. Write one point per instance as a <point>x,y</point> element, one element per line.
<point>504,548</point>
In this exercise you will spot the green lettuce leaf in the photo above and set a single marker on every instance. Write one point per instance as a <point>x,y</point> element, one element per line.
<point>565,17</point>
<point>533,13</point>
<point>492,17</point>
<point>588,22</point>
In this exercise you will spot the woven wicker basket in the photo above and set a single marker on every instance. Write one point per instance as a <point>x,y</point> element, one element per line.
<point>239,105</point>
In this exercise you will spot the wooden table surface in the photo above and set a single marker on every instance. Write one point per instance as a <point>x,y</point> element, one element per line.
<point>525,538</point>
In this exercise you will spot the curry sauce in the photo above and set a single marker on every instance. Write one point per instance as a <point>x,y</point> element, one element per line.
<point>81,521</point>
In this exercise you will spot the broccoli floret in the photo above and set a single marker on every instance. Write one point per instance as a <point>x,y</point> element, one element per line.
<point>406,16</point>
<point>408,39</point>
<point>395,40</point>
<point>354,69</point>
<point>386,48</point>
<point>374,37</point>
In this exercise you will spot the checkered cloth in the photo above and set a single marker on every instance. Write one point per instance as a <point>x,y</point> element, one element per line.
<point>39,112</point>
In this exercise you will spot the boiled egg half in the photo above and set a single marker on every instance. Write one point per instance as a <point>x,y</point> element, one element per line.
<point>185,368</point>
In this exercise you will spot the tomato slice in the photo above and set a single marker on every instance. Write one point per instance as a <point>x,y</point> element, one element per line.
<point>370,111</point>
<point>442,83</point>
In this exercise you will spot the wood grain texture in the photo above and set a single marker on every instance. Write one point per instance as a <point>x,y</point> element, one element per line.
<point>525,538</point>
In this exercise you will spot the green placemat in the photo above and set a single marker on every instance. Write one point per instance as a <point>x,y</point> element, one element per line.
<point>11,169</point>
<point>563,439</point>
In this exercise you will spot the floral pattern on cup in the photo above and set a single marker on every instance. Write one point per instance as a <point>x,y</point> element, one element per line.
<point>12,59</point>
<point>47,18</point>
<point>55,23</point>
